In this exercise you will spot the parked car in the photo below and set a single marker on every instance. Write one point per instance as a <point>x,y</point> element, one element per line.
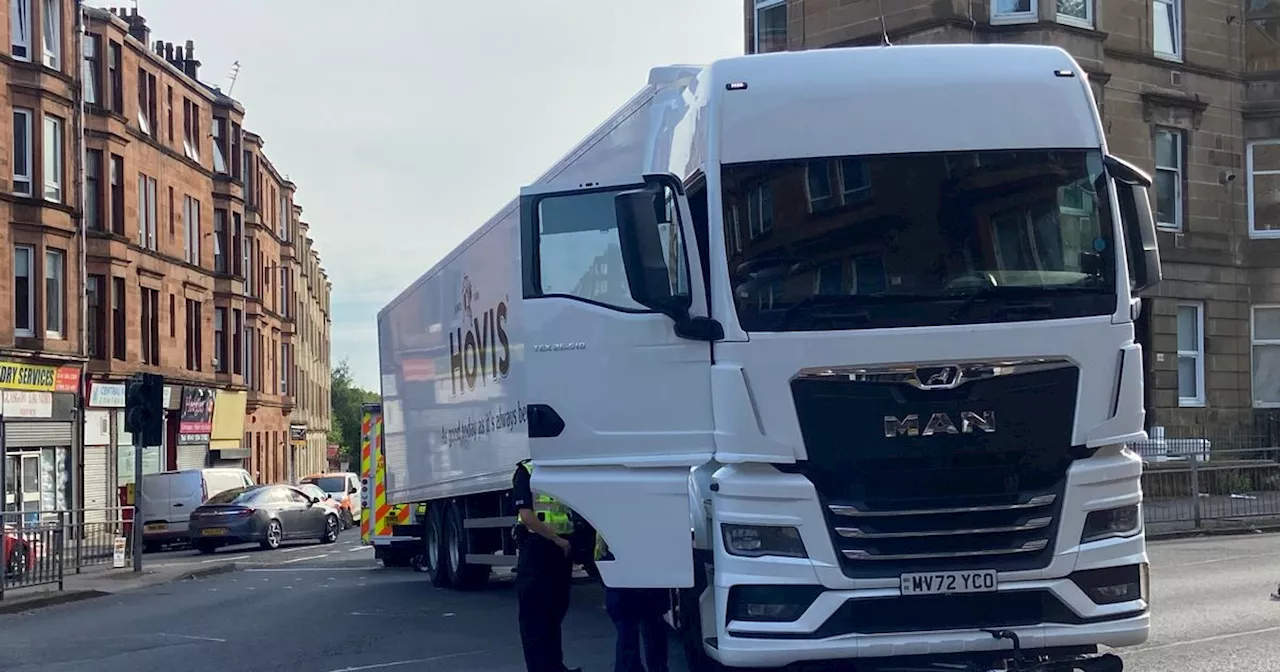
<point>313,490</point>
<point>345,488</point>
<point>169,497</point>
<point>266,514</point>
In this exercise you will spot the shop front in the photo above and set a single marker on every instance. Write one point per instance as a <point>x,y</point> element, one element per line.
<point>226,447</point>
<point>38,412</point>
<point>195,427</point>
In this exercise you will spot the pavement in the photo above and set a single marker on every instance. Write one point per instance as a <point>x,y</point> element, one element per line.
<point>332,609</point>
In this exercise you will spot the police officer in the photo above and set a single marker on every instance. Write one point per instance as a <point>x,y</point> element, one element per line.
<point>636,614</point>
<point>544,572</point>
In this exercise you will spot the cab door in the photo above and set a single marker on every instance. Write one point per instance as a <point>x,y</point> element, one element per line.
<point>619,405</point>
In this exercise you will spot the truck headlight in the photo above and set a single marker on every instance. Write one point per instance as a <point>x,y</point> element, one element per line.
<point>1124,521</point>
<point>754,541</point>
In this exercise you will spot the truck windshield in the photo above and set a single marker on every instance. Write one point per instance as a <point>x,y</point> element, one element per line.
<point>903,240</point>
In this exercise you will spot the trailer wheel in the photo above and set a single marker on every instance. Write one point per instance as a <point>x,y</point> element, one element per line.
<point>466,576</point>
<point>433,553</point>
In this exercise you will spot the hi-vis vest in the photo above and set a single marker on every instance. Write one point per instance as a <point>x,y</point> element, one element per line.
<point>602,549</point>
<point>549,511</point>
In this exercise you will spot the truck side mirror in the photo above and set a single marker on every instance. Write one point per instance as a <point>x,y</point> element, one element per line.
<point>1138,223</point>
<point>640,242</point>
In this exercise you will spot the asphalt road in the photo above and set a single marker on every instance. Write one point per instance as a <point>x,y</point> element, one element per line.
<point>330,609</point>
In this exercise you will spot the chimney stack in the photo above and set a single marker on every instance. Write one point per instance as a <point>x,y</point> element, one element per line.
<point>177,58</point>
<point>191,66</point>
<point>168,51</point>
<point>137,25</point>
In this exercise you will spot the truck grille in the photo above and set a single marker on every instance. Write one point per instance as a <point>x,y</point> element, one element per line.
<point>949,495</point>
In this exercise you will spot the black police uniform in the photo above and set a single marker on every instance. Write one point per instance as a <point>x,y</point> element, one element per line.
<point>544,575</point>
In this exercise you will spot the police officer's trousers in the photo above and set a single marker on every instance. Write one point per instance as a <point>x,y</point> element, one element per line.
<point>543,579</point>
<point>637,614</point>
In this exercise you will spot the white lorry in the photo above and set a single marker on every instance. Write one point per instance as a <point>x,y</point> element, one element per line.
<point>837,345</point>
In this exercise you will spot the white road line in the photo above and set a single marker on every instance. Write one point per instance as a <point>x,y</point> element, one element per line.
<point>1201,640</point>
<point>398,663</point>
<point>202,639</point>
<point>310,569</point>
<point>359,548</point>
<point>234,557</point>
<point>304,559</point>
<point>1229,558</point>
<point>295,549</point>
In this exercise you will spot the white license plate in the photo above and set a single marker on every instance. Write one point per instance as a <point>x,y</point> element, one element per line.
<point>946,583</point>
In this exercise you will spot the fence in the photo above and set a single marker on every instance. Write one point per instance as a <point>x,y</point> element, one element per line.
<point>40,547</point>
<point>1206,481</point>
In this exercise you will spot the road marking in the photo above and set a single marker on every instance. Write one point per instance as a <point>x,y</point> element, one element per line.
<point>359,548</point>
<point>1226,559</point>
<point>238,557</point>
<point>202,639</point>
<point>295,549</point>
<point>398,663</point>
<point>309,569</point>
<point>1202,640</point>
<point>305,558</point>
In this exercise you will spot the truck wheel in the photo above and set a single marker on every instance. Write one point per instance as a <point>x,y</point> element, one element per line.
<point>466,576</point>
<point>434,552</point>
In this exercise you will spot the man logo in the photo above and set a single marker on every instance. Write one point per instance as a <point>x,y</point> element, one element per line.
<point>937,377</point>
<point>971,422</point>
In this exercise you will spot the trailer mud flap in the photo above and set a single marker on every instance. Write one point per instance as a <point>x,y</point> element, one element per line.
<point>642,513</point>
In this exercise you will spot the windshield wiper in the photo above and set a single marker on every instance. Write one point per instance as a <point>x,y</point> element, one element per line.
<point>1021,298</point>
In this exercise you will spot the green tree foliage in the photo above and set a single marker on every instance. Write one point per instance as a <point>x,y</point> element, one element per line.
<point>347,397</point>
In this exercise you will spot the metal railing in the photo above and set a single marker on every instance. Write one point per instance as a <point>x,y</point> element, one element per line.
<point>1215,481</point>
<point>32,549</point>
<point>41,547</point>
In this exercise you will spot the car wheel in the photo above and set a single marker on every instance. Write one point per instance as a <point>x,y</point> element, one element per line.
<point>275,534</point>
<point>348,521</point>
<point>16,567</point>
<point>331,528</point>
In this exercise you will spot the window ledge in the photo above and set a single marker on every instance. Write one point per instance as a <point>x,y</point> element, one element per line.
<point>1172,58</point>
<point>1013,19</point>
<point>1192,403</point>
<point>1264,235</point>
<point>1074,22</point>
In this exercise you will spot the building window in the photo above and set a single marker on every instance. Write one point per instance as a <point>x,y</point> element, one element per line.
<point>284,369</point>
<point>191,129</point>
<point>219,145</point>
<point>52,158</point>
<point>93,189</point>
<point>150,326</point>
<point>760,210</point>
<point>173,315</point>
<point>191,229</point>
<point>1166,28</point>
<point>24,290</point>
<point>1170,146</point>
<point>1191,354</point>
<point>220,339</point>
<point>855,180</point>
<point>1265,337</point>
<point>115,76</point>
<point>117,194</point>
<point>22,155</point>
<point>239,259</point>
<point>147,217</point>
<point>118,343</point>
<point>92,69</point>
<point>146,101</point>
<point>829,280</point>
<point>195,340</point>
<point>20,29</point>
<point>94,287</point>
<point>818,186</point>
<point>53,34</point>
<point>237,341</point>
<point>1262,163</point>
<point>771,25</point>
<point>220,240</point>
<point>1013,11</point>
<point>55,291</point>
<point>1076,12</point>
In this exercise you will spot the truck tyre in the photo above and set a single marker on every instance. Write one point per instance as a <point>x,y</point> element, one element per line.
<point>466,576</point>
<point>436,560</point>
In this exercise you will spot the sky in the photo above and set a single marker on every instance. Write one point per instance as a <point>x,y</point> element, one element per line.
<point>408,123</point>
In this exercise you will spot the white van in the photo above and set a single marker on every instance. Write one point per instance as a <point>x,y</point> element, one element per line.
<point>169,497</point>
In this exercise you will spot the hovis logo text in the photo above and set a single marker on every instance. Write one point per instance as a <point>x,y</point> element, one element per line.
<point>479,350</point>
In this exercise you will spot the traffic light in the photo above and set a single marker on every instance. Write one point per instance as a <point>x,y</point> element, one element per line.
<point>144,409</point>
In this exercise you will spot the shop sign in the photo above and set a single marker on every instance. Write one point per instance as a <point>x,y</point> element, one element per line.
<point>39,378</point>
<point>298,433</point>
<point>196,421</point>
<point>19,404</point>
<point>106,395</point>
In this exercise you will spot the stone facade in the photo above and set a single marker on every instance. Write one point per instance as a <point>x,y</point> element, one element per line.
<point>1209,87</point>
<point>311,350</point>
